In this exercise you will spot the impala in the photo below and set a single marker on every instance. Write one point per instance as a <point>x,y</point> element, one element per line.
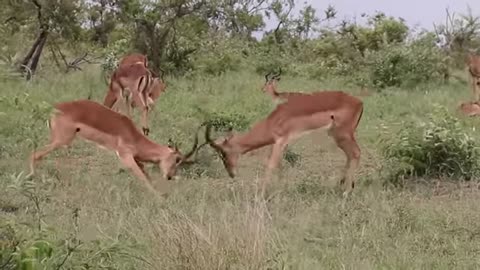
<point>134,58</point>
<point>130,59</point>
<point>112,131</point>
<point>270,87</point>
<point>469,108</point>
<point>158,85</point>
<point>473,65</point>
<point>136,85</point>
<point>335,111</point>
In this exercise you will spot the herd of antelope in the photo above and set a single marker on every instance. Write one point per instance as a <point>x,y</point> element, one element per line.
<point>135,85</point>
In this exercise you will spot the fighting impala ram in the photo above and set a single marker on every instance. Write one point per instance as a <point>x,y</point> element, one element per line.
<point>270,87</point>
<point>136,85</point>
<point>473,65</point>
<point>335,111</point>
<point>112,131</point>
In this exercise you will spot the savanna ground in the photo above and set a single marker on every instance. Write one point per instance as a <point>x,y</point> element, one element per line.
<point>210,221</point>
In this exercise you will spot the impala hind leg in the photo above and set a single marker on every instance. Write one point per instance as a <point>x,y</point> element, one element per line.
<point>61,134</point>
<point>127,103</point>
<point>113,94</point>
<point>110,99</point>
<point>348,144</point>
<point>144,121</point>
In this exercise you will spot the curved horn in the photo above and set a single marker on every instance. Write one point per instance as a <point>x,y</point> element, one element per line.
<point>162,73</point>
<point>211,142</point>
<point>170,143</point>
<point>278,74</point>
<point>219,150</point>
<point>194,147</point>
<point>154,74</point>
<point>266,76</point>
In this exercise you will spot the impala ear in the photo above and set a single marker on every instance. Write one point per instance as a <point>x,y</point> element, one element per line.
<point>229,134</point>
<point>170,143</point>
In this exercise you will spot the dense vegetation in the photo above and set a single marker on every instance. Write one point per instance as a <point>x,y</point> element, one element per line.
<point>416,205</point>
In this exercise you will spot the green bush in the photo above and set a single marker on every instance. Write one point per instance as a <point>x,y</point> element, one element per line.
<point>405,65</point>
<point>439,148</point>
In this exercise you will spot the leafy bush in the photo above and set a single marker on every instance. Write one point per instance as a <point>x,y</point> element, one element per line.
<point>436,149</point>
<point>405,65</point>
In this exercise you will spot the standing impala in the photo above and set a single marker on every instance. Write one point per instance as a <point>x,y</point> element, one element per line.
<point>335,111</point>
<point>270,87</point>
<point>473,65</point>
<point>136,85</point>
<point>113,131</point>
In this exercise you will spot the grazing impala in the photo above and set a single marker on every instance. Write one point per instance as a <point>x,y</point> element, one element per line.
<point>112,131</point>
<point>158,85</point>
<point>335,111</point>
<point>134,58</point>
<point>137,86</point>
<point>130,59</point>
<point>473,64</point>
<point>270,87</point>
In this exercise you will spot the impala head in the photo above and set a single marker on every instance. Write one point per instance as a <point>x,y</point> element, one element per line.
<point>225,149</point>
<point>469,108</point>
<point>157,88</point>
<point>271,80</point>
<point>175,158</point>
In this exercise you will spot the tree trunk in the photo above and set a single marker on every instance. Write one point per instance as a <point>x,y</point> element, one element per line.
<point>29,55</point>
<point>36,56</point>
<point>30,62</point>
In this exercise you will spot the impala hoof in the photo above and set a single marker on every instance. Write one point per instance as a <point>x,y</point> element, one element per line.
<point>146,131</point>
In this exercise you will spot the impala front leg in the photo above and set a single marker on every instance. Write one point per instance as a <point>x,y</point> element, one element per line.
<point>277,150</point>
<point>129,162</point>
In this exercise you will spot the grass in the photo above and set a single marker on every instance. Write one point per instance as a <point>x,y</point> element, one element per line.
<point>210,221</point>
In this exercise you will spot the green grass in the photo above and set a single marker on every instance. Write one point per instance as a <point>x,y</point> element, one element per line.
<point>210,221</point>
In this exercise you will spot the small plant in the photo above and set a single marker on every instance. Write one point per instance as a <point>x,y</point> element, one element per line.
<point>225,121</point>
<point>437,149</point>
<point>292,158</point>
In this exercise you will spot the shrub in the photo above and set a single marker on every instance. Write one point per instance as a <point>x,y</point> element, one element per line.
<point>34,244</point>
<point>405,65</point>
<point>436,149</point>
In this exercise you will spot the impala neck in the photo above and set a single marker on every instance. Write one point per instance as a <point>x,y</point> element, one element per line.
<point>150,151</point>
<point>259,136</point>
<point>273,93</point>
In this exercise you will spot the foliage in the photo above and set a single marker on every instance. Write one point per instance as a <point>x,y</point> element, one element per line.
<point>32,245</point>
<point>438,148</point>
<point>209,38</point>
<point>227,122</point>
<point>405,65</point>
